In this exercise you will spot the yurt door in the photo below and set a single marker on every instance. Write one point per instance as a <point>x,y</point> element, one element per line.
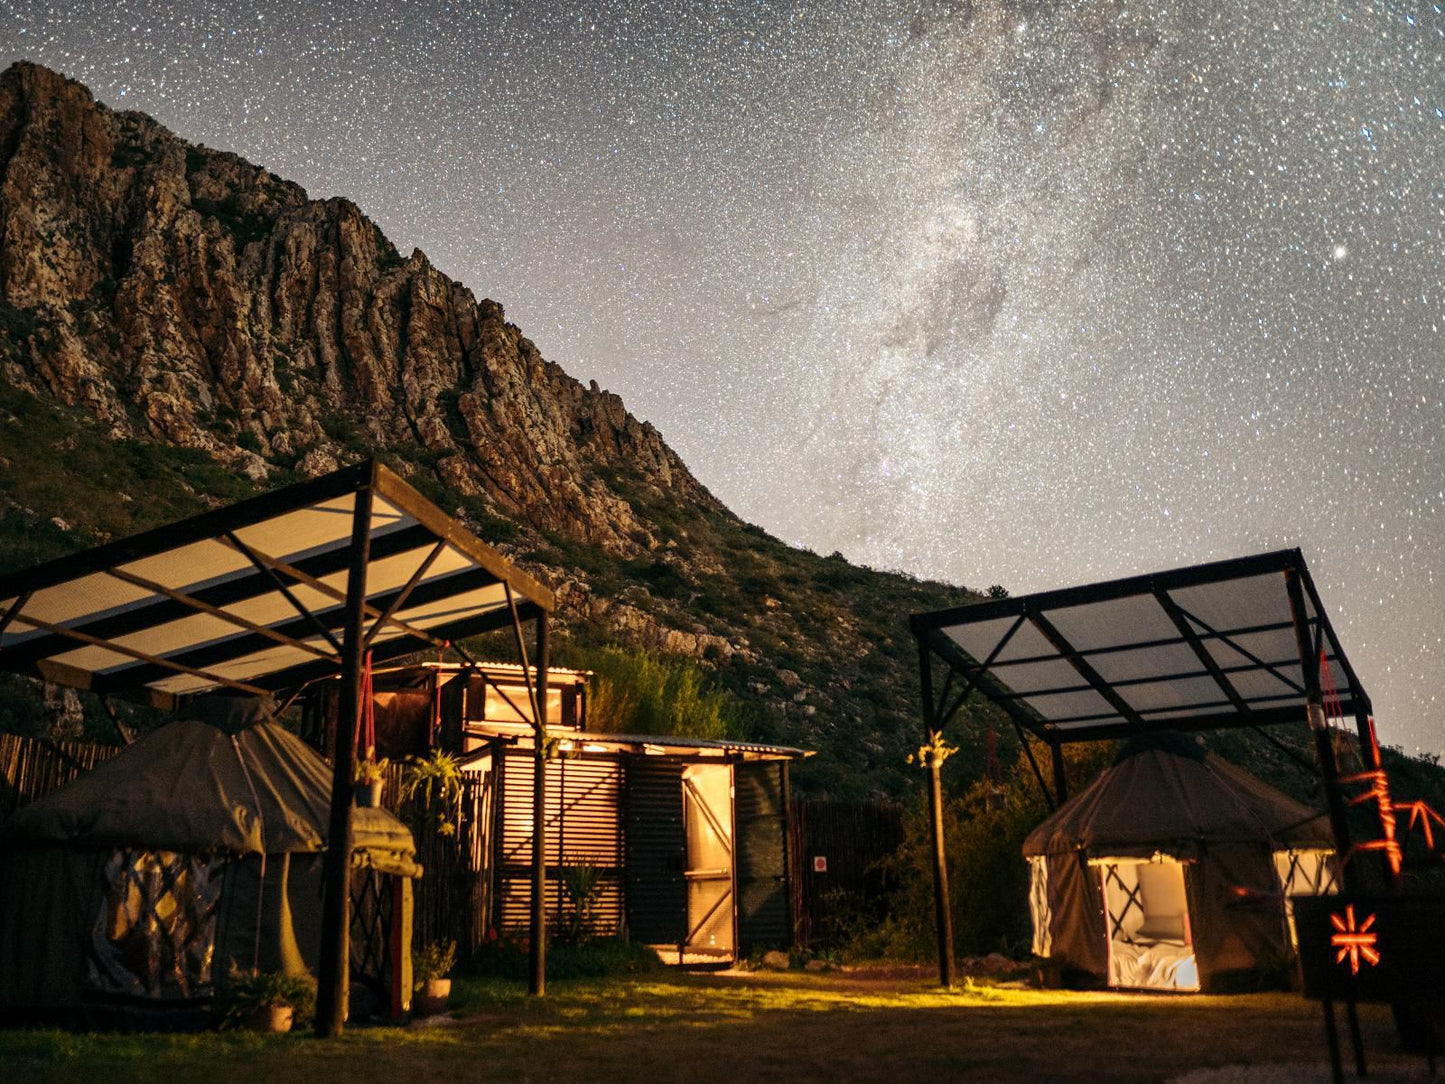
<point>707,802</point>
<point>1147,922</point>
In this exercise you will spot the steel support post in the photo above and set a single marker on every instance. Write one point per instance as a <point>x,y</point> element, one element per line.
<point>1061,781</point>
<point>1320,731</point>
<point>538,949</point>
<point>335,959</point>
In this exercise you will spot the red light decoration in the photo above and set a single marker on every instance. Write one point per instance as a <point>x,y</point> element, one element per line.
<point>1354,942</point>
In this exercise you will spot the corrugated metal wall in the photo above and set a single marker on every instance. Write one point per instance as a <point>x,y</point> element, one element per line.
<point>583,824</point>
<point>656,850</point>
<point>764,900</point>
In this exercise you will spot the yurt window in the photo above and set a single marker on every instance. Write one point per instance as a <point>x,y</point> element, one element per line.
<point>1039,906</point>
<point>1304,873</point>
<point>1150,944</point>
<point>156,932</point>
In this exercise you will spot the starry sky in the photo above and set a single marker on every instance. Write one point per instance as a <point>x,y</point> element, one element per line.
<point>994,291</point>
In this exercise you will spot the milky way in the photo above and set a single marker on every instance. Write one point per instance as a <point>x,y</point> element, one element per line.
<point>997,291</point>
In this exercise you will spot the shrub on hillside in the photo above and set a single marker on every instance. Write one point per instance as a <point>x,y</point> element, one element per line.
<point>638,692</point>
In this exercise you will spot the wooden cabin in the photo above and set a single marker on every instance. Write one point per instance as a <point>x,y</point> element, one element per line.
<point>685,840</point>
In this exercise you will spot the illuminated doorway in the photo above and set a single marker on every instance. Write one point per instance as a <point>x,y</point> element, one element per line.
<point>707,803</point>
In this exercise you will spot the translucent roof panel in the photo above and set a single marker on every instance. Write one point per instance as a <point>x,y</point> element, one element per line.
<point>1206,646</point>
<point>253,597</point>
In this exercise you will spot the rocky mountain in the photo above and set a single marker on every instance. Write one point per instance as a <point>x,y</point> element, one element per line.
<point>179,327</point>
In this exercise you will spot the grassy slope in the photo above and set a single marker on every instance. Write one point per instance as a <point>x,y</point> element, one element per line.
<point>786,1027</point>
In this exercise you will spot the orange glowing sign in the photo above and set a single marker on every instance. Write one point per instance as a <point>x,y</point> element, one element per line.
<point>1354,942</point>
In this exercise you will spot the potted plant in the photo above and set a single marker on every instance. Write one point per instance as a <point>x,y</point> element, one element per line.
<point>370,775</point>
<point>431,965</point>
<point>270,1001</point>
<point>432,791</point>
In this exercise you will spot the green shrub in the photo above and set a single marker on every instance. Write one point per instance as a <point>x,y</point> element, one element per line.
<point>606,957</point>
<point>988,878</point>
<point>638,692</point>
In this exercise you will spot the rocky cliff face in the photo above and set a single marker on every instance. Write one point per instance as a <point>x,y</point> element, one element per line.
<point>184,295</point>
<point>174,295</point>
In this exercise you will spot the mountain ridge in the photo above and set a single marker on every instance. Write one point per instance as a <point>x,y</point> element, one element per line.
<point>157,295</point>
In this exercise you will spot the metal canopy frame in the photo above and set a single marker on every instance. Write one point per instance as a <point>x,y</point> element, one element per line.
<point>1235,643</point>
<point>265,596</point>
<point>1220,657</point>
<point>195,606</point>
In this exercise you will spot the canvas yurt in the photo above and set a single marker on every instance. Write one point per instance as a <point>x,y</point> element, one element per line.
<point>127,895</point>
<point>1173,871</point>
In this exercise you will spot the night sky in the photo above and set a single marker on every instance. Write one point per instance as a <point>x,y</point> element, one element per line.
<point>1009,292</point>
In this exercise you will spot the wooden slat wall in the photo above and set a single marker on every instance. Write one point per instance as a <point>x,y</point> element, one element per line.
<point>452,898</point>
<point>31,768</point>
<point>583,822</point>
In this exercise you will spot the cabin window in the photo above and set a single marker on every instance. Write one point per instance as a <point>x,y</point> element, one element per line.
<point>155,934</point>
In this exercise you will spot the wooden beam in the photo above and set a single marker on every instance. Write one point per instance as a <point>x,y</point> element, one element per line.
<point>399,599</point>
<point>326,589</point>
<point>538,948</point>
<point>1194,576</point>
<point>1319,729</point>
<point>226,592</point>
<point>270,567</point>
<point>1034,764</point>
<point>14,609</point>
<point>1191,637</point>
<point>1061,781</point>
<point>1227,639</point>
<point>393,489</point>
<point>971,681</point>
<point>942,908</point>
<point>172,536</point>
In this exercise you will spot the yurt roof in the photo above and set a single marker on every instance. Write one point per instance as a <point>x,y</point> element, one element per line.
<point>233,783</point>
<point>1161,798</point>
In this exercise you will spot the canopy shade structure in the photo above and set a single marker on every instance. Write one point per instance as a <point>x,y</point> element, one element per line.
<point>1244,642</point>
<point>267,595</point>
<point>1210,646</point>
<point>251,598</point>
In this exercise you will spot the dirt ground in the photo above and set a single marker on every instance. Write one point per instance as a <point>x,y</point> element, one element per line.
<point>871,1025</point>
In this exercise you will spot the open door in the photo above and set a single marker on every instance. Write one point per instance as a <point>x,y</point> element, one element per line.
<point>707,803</point>
<point>764,897</point>
<point>656,850</point>
<point>1151,946</point>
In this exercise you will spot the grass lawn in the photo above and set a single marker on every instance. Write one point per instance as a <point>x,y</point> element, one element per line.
<point>839,1027</point>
